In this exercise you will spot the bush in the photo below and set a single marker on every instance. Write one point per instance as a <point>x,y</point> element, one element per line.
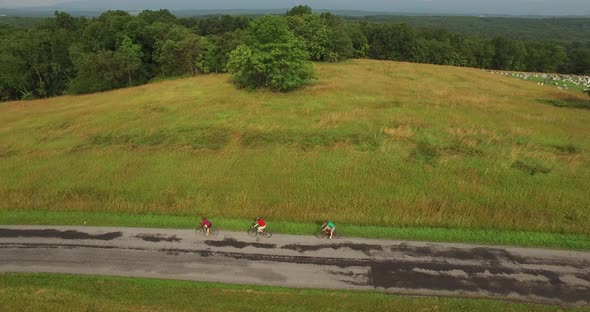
<point>271,58</point>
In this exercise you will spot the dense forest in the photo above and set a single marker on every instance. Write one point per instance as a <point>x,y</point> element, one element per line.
<point>560,29</point>
<point>73,55</point>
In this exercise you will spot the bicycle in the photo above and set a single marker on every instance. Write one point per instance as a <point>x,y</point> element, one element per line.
<point>212,231</point>
<point>322,234</point>
<point>253,231</point>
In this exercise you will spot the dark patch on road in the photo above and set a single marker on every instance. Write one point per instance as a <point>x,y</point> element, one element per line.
<point>58,246</point>
<point>51,233</point>
<point>491,255</point>
<point>365,248</point>
<point>156,238</point>
<point>497,281</point>
<point>230,242</point>
<point>494,255</point>
<point>487,254</point>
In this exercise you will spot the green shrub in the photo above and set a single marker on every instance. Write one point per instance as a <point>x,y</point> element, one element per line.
<point>272,57</point>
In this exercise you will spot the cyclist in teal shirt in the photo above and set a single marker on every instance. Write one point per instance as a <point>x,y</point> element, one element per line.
<point>328,227</point>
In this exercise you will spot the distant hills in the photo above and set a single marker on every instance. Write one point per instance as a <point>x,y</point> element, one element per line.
<point>341,7</point>
<point>48,11</point>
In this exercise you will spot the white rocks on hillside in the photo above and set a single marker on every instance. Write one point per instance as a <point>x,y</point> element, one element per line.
<point>558,80</point>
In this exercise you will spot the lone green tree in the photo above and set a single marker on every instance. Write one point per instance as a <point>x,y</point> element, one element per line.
<point>271,57</point>
<point>299,10</point>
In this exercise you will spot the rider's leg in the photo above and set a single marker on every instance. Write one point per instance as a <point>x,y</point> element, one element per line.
<point>261,229</point>
<point>207,230</point>
<point>332,232</point>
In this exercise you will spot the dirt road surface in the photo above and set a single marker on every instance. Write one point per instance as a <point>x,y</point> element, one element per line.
<point>415,268</point>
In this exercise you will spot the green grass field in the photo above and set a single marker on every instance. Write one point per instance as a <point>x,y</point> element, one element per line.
<point>46,292</point>
<point>384,144</point>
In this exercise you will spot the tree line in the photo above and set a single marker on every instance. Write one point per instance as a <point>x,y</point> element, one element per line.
<point>75,55</point>
<point>559,29</point>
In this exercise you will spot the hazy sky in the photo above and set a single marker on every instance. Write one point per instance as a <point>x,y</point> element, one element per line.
<point>516,7</point>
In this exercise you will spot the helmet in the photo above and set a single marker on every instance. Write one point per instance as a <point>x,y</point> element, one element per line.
<point>203,218</point>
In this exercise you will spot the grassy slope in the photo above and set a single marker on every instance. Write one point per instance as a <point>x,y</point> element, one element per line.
<point>379,143</point>
<point>45,292</point>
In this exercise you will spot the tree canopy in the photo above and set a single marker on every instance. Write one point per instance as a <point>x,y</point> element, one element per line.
<point>299,10</point>
<point>271,57</point>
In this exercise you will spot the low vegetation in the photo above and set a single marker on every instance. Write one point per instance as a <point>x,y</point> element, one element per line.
<point>370,143</point>
<point>46,292</point>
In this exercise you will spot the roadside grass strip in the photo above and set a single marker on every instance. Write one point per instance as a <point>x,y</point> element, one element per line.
<point>53,292</point>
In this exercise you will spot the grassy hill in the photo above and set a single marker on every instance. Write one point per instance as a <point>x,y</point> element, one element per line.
<point>380,143</point>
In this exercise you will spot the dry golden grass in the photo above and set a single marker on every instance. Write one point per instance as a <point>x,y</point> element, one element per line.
<point>402,132</point>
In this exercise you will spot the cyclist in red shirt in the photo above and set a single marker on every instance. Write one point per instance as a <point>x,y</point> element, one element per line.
<point>206,224</point>
<point>260,224</point>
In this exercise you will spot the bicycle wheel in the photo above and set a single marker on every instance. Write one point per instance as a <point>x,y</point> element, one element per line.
<point>320,235</point>
<point>253,232</point>
<point>267,234</point>
<point>213,232</point>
